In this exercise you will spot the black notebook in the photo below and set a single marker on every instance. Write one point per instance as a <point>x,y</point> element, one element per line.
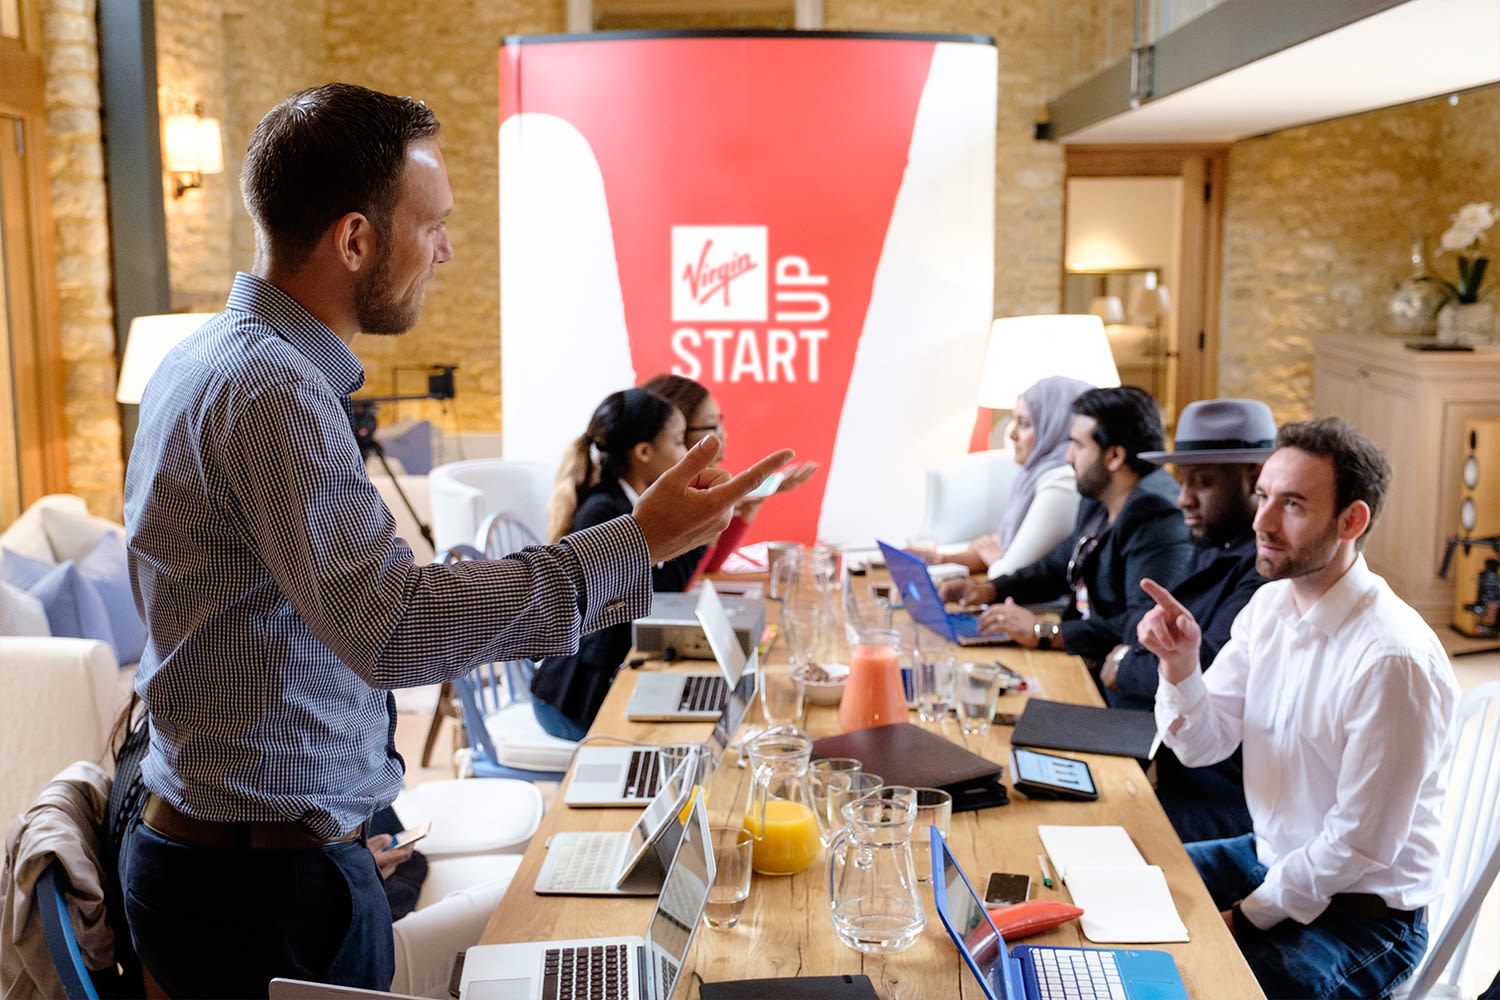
<point>1057,725</point>
<point>792,988</point>
<point>904,754</point>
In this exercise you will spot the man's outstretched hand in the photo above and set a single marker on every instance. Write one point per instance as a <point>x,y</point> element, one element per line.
<point>691,504</point>
<point>1170,631</point>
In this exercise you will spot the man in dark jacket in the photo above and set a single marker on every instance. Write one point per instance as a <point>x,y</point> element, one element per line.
<point>1219,449</point>
<point>1128,528</point>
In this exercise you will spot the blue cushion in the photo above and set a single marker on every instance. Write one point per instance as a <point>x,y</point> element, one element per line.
<point>21,570</point>
<point>106,568</point>
<point>73,606</point>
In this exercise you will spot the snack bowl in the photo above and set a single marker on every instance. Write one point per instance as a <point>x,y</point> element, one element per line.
<point>824,682</point>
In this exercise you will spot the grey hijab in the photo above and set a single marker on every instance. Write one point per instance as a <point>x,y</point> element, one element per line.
<point>1049,403</point>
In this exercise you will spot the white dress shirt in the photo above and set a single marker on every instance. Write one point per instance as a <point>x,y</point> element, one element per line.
<point>1346,716</point>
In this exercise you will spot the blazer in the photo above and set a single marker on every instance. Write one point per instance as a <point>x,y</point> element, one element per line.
<point>575,685</point>
<point>1147,539</point>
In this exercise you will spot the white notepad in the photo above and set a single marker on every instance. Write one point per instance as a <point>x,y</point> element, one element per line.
<point>1124,900</point>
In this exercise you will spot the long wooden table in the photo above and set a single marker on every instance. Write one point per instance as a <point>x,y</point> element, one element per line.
<point>786,929</point>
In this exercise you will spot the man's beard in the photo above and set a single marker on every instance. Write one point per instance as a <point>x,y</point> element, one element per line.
<point>1093,480</point>
<point>378,307</point>
<point>1300,560</point>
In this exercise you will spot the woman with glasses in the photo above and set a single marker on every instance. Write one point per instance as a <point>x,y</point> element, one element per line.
<point>633,437</point>
<point>703,416</point>
<point>1044,497</point>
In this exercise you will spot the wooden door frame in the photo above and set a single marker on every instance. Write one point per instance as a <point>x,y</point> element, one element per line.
<point>1203,170</point>
<point>36,352</point>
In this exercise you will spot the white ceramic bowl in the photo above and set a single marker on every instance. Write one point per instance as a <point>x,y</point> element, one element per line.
<point>826,692</point>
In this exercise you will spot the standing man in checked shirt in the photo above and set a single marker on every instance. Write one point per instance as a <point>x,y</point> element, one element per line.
<point>1343,701</point>
<point>281,606</point>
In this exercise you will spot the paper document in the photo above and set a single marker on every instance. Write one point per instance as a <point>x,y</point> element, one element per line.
<point>1088,845</point>
<point>1124,900</point>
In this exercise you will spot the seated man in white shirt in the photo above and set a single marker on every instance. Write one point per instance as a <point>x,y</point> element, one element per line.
<point>1343,700</point>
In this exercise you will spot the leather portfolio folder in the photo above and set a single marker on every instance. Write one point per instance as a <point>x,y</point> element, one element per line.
<point>904,754</point>
<point>1058,725</point>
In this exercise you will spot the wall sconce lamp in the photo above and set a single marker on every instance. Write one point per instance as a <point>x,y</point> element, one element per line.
<point>192,146</point>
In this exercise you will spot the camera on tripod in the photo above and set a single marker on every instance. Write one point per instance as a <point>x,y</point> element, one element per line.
<point>362,414</point>
<point>363,409</point>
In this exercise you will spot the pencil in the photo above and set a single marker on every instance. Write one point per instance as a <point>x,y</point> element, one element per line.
<point>1041,859</point>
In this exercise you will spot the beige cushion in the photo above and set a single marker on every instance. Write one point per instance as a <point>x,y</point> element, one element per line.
<point>74,533</point>
<point>20,613</point>
<point>58,698</point>
<point>27,534</point>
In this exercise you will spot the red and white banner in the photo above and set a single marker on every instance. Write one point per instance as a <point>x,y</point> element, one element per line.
<point>803,222</point>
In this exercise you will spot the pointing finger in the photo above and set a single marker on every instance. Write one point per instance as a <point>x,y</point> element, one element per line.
<point>742,484</point>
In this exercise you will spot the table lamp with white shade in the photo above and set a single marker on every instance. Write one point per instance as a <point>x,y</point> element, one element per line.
<point>1025,349</point>
<point>148,342</point>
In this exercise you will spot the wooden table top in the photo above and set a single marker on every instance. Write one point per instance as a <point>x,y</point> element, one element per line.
<point>786,930</point>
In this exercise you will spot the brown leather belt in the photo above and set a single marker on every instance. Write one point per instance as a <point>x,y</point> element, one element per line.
<point>1367,904</point>
<point>254,835</point>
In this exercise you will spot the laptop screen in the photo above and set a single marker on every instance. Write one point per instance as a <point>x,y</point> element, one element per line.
<point>918,593</point>
<point>680,905</point>
<point>970,926</point>
<point>732,661</point>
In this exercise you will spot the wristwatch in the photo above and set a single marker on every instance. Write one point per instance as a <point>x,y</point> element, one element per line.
<point>1045,631</point>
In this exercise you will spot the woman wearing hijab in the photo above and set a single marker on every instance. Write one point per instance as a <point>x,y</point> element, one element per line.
<point>1044,498</point>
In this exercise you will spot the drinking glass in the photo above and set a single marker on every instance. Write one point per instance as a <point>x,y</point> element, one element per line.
<point>700,773</point>
<point>733,847</point>
<point>935,676</point>
<point>846,788</point>
<point>934,809</point>
<point>781,697</point>
<point>977,686</point>
<point>822,775</point>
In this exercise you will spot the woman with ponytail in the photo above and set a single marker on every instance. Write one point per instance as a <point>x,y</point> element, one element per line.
<point>633,437</point>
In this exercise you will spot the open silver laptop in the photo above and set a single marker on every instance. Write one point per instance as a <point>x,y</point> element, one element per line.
<point>684,697</point>
<point>642,968</point>
<point>620,862</point>
<point>628,776</point>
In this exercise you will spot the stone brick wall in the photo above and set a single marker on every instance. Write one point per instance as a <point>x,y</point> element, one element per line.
<point>1319,222</point>
<point>70,55</point>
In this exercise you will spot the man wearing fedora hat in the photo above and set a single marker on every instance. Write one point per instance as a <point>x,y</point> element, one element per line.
<point>1217,455</point>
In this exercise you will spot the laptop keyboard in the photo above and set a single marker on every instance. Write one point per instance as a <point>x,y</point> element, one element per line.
<point>1070,974</point>
<point>585,860</point>
<point>596,972</point>
<point>643,779</point>
<point>703,693</point>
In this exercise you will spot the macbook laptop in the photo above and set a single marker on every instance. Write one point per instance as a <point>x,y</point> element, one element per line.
<point>1041,972</point>
<point>628,776</point>
<point>920,595</point>
<point>681,697</point>
<point>631,968</point>
<point>620,862</point>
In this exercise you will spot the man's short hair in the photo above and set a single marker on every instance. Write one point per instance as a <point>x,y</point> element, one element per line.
<point>1360,469</point>
<point>1126,416</point>
<point>323,153</point>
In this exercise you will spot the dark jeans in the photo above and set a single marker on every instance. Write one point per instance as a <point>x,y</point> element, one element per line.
<point>555,723</point>
<point>219,923</point>
<point>1342,953</point>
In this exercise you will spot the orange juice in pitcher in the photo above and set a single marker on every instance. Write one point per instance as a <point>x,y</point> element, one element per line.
<point>779,814</point>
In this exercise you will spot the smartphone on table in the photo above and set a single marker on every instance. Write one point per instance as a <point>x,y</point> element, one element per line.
<point>1006,888</point>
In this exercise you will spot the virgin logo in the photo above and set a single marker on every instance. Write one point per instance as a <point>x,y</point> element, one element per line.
<point>705,279</point>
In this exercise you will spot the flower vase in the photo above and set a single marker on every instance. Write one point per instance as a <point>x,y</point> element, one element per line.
<point>1467,323</point>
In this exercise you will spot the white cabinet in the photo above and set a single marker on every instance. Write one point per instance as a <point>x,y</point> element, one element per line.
<point>1413,405</point>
